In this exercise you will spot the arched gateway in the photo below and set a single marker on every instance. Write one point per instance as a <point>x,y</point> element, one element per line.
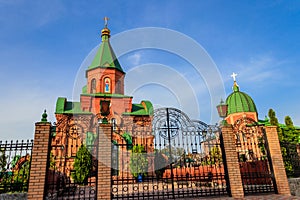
<point>184,159</point>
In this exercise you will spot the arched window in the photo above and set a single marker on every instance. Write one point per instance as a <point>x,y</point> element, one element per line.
<point>107,85</point>
<point>93,86</point>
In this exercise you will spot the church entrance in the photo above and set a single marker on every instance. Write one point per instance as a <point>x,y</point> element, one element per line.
<point>184,159</point>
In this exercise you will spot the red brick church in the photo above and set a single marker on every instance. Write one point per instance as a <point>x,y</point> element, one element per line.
<point>102,101</point>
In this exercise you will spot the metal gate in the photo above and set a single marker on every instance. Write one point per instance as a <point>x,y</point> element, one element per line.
<point>15,161</point>
<point>72,165</point>
<point>178,158</point>
<point>254,161</point>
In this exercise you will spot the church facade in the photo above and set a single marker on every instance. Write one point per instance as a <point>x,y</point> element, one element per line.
<point>102,101</point>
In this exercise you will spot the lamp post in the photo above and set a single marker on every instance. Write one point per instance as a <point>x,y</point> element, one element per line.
<point>104,110</point>
<point>222,111</point>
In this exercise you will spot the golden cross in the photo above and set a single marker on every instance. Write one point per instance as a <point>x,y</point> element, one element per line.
<point>105,21</point>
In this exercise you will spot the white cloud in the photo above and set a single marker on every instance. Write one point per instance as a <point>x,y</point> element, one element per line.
<point>135,58</point>
<point>259,69</point>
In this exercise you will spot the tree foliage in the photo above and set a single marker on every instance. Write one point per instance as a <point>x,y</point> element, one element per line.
<point>175,154</point>
<point>160,163</point>
<point>21,177</point>
<point>52,161</point>
<point>138,161</point>
<point>82,165</point>
<point>15,180</point>
<point>288,146</point>
<point>289,132</point>
<point>215,155</point>
<point>274,122</point>
<point>3,161</point>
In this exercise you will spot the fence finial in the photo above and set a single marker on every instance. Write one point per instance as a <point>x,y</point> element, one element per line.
<point>44,116</point>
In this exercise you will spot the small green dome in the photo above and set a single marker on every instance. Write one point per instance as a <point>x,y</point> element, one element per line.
<point>239,101</point>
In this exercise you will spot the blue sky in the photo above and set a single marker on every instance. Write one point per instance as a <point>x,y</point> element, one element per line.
<point>43,45</point>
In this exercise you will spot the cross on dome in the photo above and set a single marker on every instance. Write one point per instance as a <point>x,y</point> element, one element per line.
<point>105,33</point>
<point>106,21</point>
<point>234,75</point>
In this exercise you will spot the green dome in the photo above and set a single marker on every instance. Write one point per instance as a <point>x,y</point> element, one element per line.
<point>239,102</point>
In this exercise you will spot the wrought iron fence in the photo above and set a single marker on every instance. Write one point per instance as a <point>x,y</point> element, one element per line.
<point>72,165</point>
<point>15,159</point>
<point>254,157</point>
<point>177,158</point>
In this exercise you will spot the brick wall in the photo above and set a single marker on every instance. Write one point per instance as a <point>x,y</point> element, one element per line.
<point>233,168</point>
<point>104,162</point>
<point>39,161</point>
<point>277,161</point>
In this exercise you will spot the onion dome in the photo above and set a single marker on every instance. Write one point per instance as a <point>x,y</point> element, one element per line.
<point>239,101</point>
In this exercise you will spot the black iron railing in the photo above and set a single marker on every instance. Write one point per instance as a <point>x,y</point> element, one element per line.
<point>177,158</point>
<point>15,159</point>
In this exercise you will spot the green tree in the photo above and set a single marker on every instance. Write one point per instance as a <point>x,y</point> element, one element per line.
<point>82,165</point>
<point>52,161</point>
<point>3,162</point>
<point>215,155</point>
<point>138,161</point>
<point>288,146</point>
<point>21,177</point>
<point>176,153</point>
<point>274,122</point>
<point>289,132</point>
<point>160,163</point>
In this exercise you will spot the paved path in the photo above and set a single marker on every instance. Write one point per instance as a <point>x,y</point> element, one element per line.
<point>261,197</point>
<point>274,196</point>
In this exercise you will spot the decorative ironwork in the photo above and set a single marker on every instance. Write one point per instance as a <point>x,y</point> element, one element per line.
<point>15,160</point>
<point>183,159</point>
<point>253,157</point>
<point>66,144</point>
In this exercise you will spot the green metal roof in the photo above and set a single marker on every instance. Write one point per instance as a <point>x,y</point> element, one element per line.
<point>266,122</point>
<point>239,102</point>
<point>144,108</point>
<point>67,107</point>
<point>105,56</point>
<point>84,89</point>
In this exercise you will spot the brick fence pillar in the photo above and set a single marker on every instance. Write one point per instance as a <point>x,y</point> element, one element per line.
<point>232,162</point>
<point>277,161</point>
<point>104,162</point>
<point>39,158</point>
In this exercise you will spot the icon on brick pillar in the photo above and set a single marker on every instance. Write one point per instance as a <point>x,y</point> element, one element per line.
<point>104,110</point>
